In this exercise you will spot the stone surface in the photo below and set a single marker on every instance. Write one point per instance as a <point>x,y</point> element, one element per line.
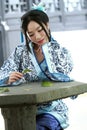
<point>20,118</point>
<point>77,113</point>
<point>33,93</point>
<point>18,105</point>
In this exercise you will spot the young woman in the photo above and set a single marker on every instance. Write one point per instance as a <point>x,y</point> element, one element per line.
<point>46,60</point>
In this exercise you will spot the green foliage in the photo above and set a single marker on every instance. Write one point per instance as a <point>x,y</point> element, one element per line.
<point>4,90</point>
<point>46,84</point>
<point>26,70</point>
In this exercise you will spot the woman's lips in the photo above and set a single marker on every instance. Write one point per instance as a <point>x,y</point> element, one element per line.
<point>41,41</point>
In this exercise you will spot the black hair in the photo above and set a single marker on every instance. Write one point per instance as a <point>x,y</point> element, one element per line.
<point>34,15</point>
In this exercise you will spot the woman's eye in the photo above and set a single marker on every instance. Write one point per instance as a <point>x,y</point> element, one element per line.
<point>40,30</point>
<point>31,35</point>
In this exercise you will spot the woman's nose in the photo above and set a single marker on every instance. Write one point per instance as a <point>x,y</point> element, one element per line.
<point>37,35</point>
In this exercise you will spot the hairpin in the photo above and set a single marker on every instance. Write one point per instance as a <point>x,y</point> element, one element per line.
<point>40,6</point>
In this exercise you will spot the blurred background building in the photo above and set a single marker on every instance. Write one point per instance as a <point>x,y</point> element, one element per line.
<point>63,14</point>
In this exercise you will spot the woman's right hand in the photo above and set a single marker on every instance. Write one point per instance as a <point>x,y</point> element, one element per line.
<point>14,76</point>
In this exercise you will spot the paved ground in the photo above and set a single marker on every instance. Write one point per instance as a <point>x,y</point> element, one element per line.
<point>76,42</point>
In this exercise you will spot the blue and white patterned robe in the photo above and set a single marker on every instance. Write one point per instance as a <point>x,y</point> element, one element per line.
<point>59,64</point>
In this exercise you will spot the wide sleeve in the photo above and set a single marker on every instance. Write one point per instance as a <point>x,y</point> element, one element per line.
<point>58,58</point>
<point>64,59</point>
<point>10,65</point>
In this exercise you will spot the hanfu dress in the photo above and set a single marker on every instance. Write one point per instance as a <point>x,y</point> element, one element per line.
<point>56,66</point>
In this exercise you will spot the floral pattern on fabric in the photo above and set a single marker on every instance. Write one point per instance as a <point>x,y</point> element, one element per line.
<point>59,57</point>
<point>56,58</point>
<point>21,59</point>
<point>56,108</point>
<point>18,61</point>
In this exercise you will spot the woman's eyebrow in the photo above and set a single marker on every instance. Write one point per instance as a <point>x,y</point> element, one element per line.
<point>35,29</point>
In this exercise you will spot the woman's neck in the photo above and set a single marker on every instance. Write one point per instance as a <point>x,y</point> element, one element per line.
<point>38,53</point>
<point>37,48</point>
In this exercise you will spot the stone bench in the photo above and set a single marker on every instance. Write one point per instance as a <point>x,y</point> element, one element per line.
<point>19,104</point>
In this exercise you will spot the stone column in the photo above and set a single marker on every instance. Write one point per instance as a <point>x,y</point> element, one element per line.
<point>20,118</point>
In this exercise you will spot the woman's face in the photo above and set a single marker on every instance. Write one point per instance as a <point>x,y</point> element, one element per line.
<point>36,33</point>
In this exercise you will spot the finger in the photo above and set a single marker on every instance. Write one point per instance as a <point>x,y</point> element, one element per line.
<point>15,76</point>
<point>16,73</point>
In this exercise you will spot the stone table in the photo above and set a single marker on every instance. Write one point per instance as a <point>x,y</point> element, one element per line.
<point>19,104</point>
